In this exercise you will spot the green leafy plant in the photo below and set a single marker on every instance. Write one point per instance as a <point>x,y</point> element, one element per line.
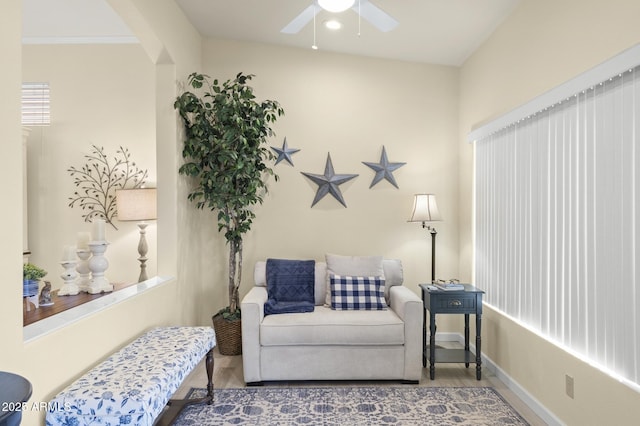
<point>98,180</point>
<point>32,272</point>
<point>225,152</point>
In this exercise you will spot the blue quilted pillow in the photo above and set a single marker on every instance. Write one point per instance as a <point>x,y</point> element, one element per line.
<point>290,286</point>
<point>355,293</point>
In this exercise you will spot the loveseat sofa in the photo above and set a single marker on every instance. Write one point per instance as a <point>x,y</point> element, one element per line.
<point>344,334</point>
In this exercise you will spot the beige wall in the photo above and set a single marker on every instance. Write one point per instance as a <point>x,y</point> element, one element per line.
<point>95,102</point>
<point>53,361</point>
<point>350,107</point>
<point>543,44</point>
<point>11,224</point>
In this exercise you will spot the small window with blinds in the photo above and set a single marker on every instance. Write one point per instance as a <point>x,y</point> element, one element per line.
<point>35,104</point>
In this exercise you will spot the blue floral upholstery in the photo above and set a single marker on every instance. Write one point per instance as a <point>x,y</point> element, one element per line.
<point>133,386</point>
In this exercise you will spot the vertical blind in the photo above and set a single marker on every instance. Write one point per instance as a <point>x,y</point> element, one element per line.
<point>557,239</point>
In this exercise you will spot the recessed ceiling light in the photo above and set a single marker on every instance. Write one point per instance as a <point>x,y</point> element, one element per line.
<point>333,24</point>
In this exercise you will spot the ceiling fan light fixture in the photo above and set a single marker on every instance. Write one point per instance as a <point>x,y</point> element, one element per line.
<point>336,6</point>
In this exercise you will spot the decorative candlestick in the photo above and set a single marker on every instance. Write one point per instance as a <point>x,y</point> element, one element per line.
<point>98,264</point>
<point>69,254</point>
<point>70,287</point>
<point>84,282</point>
<point>83,240</point>
<point>98,230</point>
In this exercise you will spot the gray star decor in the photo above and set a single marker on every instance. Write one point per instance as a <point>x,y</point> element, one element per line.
<point>285,152</point>
<point>329,182</point>
<point>384,169</point>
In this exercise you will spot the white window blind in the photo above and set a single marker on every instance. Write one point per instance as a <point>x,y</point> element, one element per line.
<point>35,104</point>
<point>557,240</point>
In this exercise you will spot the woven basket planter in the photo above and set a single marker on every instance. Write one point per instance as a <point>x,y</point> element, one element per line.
<point>228,335</point>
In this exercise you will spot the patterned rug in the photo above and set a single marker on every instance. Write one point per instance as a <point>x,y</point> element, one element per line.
<point>399,405</point>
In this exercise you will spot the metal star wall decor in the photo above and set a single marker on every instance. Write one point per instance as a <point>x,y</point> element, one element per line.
<point>384,169</point>
<point>285,152</point>
<point>329,182</point>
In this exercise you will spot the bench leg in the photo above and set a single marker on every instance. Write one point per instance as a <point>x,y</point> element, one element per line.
<point>209,366</point>
<point>175,406</point>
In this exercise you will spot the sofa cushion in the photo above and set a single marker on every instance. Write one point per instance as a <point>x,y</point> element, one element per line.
<point>325,326</point>
<point>353,293</point>
<point>393,274</point>
<point>290,286</point>
<point>260,279</point>
<point>392,268</point>
<point>363,266</point>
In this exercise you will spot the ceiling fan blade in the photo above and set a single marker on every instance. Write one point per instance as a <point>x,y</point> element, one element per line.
<point>376,16</point>
<point>301,20</point>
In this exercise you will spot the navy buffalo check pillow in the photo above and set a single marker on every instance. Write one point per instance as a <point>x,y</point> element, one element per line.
<point>357,293</point>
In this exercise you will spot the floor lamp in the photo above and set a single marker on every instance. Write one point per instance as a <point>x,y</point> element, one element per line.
<point>425,210</point>
<point>138,204</point>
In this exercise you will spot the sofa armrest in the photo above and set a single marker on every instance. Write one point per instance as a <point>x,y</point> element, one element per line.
<point>400,298</point>
<point>252,308</point>
<point>408,306</point>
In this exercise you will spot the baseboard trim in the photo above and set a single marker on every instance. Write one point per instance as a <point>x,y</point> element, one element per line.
<point>547,416</point>
<point>447,337</point>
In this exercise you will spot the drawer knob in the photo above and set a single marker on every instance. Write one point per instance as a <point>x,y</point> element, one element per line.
<point>455,303</point>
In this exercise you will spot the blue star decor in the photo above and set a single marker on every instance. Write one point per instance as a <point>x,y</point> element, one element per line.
<point>329,182</point>
<point>285,152</point>
<point>384,169</point>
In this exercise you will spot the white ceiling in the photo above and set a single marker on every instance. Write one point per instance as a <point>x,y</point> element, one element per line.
<point>433,31</point>
<point>72,21</point>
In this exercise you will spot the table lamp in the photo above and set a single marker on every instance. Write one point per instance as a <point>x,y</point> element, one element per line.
<point>138,204</point>
<point>425,209</point>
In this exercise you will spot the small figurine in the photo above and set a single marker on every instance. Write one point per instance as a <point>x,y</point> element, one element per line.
<point>45,295</point>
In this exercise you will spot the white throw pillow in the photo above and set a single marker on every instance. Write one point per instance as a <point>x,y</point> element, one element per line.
<point>362,266</point>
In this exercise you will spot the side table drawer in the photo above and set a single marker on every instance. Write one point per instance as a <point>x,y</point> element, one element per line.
<point>455,303</point>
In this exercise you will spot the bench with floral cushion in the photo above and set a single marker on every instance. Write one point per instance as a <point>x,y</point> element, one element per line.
<point>135,384</point>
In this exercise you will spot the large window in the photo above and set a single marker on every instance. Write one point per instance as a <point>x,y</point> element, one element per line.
<point>558,215</point>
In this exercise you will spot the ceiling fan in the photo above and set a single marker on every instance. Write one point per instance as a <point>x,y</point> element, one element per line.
<point>367,10</point>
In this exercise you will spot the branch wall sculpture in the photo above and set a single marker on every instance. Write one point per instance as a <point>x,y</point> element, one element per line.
<point>98,179</point>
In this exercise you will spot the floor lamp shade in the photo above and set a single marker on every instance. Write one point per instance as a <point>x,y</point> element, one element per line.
<point>138,204</point>
<point>425,209</point>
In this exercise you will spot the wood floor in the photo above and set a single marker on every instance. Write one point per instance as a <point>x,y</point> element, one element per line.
<point>228,374</point>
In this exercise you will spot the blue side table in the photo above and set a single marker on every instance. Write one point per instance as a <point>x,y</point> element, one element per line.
<point>14,392</point>
<point>467,301</point>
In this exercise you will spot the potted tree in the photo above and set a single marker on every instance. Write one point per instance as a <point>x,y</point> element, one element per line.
<point>225,152</point>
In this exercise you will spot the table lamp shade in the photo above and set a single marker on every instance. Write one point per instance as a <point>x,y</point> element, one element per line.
<point>136,204</point>
<point>425,209</point>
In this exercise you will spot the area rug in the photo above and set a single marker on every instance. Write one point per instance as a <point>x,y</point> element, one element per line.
<point>398,405</point>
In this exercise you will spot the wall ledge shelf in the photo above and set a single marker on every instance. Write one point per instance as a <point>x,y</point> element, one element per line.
<point>74,314</point>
